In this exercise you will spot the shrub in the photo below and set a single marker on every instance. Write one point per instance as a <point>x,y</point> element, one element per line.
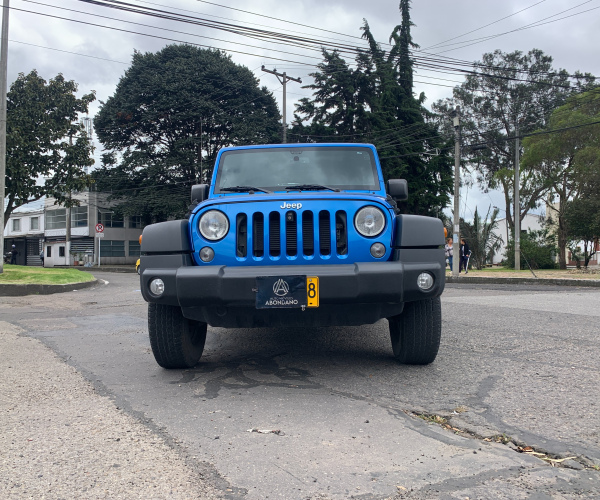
<point>537,249</point>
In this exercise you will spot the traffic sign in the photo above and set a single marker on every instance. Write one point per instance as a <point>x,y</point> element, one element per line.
<point>99,235</point>
<point>99,228</point>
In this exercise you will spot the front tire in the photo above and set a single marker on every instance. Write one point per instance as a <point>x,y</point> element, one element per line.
<point>177,342</point>
<point>416,333</point>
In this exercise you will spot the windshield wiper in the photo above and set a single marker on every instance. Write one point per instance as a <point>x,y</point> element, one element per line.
<point>309,187</point>
<point>242,189</point>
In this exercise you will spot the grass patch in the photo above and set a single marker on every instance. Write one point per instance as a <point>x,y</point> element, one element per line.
<point>432,419</point>
<point>499,438</point>
<point>24,275</point>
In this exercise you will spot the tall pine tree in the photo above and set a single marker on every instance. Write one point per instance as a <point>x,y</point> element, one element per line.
<point>375,103</point>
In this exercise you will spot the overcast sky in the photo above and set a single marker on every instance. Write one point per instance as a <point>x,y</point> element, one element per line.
<point>96,57</point>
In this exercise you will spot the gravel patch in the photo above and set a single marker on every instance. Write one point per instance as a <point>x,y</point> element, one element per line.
<point>60,439</point>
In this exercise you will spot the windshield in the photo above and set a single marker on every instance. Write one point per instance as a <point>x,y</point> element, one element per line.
<point>276,169</point>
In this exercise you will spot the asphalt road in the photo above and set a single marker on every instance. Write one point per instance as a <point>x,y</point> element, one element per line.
<point>518,366</point>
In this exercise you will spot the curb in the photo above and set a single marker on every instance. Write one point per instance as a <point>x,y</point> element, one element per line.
<point>522,281</point>
<point>15,290</point>
<point>107,269</point>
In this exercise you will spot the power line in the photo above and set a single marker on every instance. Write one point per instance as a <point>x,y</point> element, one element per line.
<point>230,19</point>
<point>277,19</point>
<point>427,62</point>
<point>68,52</point>
<point>484,26</point>
<point>161,28</point>
<point>239,29</point>
<point>536,24</point>
<point>157,37</point>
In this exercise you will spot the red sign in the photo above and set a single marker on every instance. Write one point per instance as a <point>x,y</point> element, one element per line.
<point>99,228</point>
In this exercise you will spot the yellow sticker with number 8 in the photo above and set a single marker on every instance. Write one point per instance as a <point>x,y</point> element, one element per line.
<point>312,291</point>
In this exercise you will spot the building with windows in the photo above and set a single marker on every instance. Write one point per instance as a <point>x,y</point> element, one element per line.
<point>42,226</point>
<point>25,230</point>
<point>118,242</point>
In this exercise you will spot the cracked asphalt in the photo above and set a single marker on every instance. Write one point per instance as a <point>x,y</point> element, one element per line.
<point>516,361</point>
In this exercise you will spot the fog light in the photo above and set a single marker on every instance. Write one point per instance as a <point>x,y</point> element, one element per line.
<point>377,250</point>
<point>157,287</point>
<point>425,281</point>
<point>207,254</point>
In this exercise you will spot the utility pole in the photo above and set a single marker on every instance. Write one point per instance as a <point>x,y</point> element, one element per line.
<point>68,219</point>
<point>456,228</point>
<point>283,80</point>
<point>3,85</point>
<point>517,209</point>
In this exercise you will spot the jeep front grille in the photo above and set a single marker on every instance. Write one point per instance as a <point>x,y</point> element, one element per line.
<point>290,233</point>
<point>324,233</point>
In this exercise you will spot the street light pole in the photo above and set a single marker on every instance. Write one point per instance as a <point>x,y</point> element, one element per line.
<point>3,86</point>
<point>456,228</point>
<point>517,209</point>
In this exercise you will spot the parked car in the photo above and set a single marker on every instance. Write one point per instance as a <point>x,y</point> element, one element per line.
<point>294,235</point>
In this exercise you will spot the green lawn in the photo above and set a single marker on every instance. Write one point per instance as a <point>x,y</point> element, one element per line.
<point>42,276</point>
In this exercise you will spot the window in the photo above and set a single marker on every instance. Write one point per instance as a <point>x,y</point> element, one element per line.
<point>56,219</point>
<point>48,251</point>
<point>16,224</point>
<point>134,249</point>
<point>275,169</point>
<point>112,248</point>
<point>34,223</point>
<point>79,216</point>
<point>109,219</point>
<point>61,251</point>
<point>135,222</point>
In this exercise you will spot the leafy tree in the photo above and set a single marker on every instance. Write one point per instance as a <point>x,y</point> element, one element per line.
<point>45,140</point>
<point>375,103</point>
<point>537,250</point>
<point>569,159</point>
<point>480,236</point>
<point>170,114</point>
<point>509,94</point>
<point>582,217</point>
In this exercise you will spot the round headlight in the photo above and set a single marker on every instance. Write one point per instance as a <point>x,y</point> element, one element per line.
<point>369,221</point>
<point>213,225</point>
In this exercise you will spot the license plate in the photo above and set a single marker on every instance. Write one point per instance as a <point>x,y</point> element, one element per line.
<point>285,292</point>
<point>312,291</point>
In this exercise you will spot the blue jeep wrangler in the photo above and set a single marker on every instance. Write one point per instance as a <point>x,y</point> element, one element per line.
<point>294,235</point>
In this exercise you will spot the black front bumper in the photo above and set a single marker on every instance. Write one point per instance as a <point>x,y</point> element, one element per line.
<point>350,294</point>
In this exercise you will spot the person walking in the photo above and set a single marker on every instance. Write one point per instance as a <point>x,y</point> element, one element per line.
<point>465,253</point>
<point>448,250</point>
<point>13,255</point>
<point>42,257</point>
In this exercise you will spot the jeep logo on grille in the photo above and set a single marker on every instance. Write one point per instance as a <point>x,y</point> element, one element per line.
<point>297,206</point>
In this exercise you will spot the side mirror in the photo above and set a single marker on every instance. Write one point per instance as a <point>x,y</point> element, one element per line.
<point>199,192</point>
<point>398,189</point>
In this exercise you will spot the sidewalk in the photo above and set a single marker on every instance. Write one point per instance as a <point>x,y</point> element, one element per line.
<point>60,439</point>
<point>569,277</point>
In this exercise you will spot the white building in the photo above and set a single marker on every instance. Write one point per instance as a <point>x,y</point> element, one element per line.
<point>118,245</point>
<point>25,230</point>
<point>41,226</point>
